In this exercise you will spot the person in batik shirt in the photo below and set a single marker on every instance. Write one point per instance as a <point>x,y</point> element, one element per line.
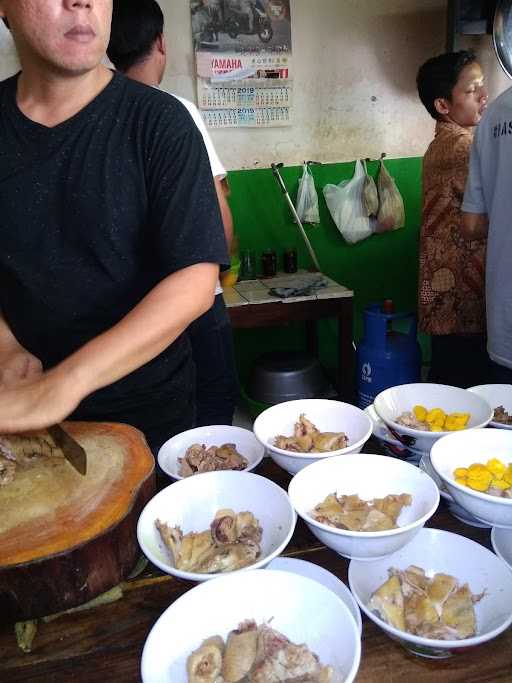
<point>451,296</point>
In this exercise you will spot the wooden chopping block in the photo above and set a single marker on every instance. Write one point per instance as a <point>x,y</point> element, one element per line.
<point>64,538</point>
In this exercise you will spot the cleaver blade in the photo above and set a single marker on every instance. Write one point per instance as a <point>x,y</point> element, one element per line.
<point>73,452</point>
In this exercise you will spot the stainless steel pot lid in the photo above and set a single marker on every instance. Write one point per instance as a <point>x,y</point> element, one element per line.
<point>502,35</point>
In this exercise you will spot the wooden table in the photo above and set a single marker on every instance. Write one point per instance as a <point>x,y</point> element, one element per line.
<point>105,643</point>
<point>250,305</point>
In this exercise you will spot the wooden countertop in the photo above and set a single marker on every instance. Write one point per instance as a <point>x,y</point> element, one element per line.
<point>105,643</point>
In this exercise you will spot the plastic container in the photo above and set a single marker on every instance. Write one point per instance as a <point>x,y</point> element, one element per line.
<point>279,376</point>
<point>386,357</point>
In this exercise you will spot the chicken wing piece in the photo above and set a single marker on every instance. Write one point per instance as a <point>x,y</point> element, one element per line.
<point>240,654</point>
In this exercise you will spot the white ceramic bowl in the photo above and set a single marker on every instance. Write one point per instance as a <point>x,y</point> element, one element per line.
<point>191,503</point>
<point>326,415</point>
<point>323,576</point>
<point>461,449</point>
<point>370,476</point>
<point>496,395</point>
<point>441,551</point>
<point>217,607</point>
<point>391,403</point>
<point>501,540</point>
<point>214,435</point>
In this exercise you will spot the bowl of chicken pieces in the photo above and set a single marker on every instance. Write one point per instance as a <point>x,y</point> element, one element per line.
<point>200,527</point>
<point>364,506</point>
<point>440,595</point>
<point>258,626</point>
<point>298,433</point>
<point>210,449</point>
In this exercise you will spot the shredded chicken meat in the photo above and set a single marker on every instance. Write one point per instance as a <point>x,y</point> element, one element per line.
<point>355,514</point>
<point>18,450</point>
<point>198,458</point>
<point>308,439</point>
<point>256,654</point>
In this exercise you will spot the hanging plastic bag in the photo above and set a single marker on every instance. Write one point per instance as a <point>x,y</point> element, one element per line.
<point>391,214</point>
<point>345,203</point>
<point>307,198</point>
<point>370,195</point>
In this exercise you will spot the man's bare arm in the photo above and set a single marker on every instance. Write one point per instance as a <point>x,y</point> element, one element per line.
<point>475,226</point>
<point>139,337</point>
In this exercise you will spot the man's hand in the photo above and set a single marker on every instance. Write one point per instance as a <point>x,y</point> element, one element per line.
<point>35,402</point>
<point>18,365</point>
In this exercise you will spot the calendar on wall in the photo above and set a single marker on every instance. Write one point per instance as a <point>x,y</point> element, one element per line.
<point>243,62</point>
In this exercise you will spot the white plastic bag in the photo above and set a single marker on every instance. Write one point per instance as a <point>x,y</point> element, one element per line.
<point>307,198</point>
<point>345,202</point>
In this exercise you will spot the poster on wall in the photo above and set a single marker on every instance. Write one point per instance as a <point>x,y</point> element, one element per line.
<point>243,51</point>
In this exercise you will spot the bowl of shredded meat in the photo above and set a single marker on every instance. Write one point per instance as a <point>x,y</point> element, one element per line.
<point>210,449</point>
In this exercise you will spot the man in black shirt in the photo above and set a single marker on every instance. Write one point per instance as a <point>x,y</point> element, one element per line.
<point>111,232</point>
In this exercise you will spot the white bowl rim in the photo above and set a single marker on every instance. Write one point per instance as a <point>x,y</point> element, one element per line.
<point>496,546</point>
<point>465,489</point>
<point>432,642</point>
<point>174,474</point>
<point>203,577</point>
<point>415,432</point>
<point>357,655</point>
<point>371,534</point>
<point>315,455</point>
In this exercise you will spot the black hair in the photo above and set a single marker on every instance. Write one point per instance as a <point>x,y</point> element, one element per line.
<point>439,75</point>
<point>6,22</point>
<point>136,24</point>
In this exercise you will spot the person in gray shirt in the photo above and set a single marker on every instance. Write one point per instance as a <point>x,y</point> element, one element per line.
<point>487,208</point>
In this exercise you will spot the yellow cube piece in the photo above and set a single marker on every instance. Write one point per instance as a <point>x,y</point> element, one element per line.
<point>500,484</point>
<point>462,481</point>
<point>477,467</point>
<point>461,418</point>
<point>507,475</point>
<point>478,484</point>
<point>420,413</point>
<point>496,467</point>
<point>436,427</point>
<point>451,424</point>
<point>460,472</point>
<point>436,415</point>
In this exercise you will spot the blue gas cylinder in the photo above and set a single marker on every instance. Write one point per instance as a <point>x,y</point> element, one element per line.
<point>386,357</point>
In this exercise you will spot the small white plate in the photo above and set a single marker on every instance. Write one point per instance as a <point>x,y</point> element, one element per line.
<point>393,447</point>
<point>424,464</point>
<point>501,540</point>
<point>323,576</point>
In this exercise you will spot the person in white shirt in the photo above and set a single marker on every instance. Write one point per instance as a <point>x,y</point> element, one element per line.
<point>137,48</point>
